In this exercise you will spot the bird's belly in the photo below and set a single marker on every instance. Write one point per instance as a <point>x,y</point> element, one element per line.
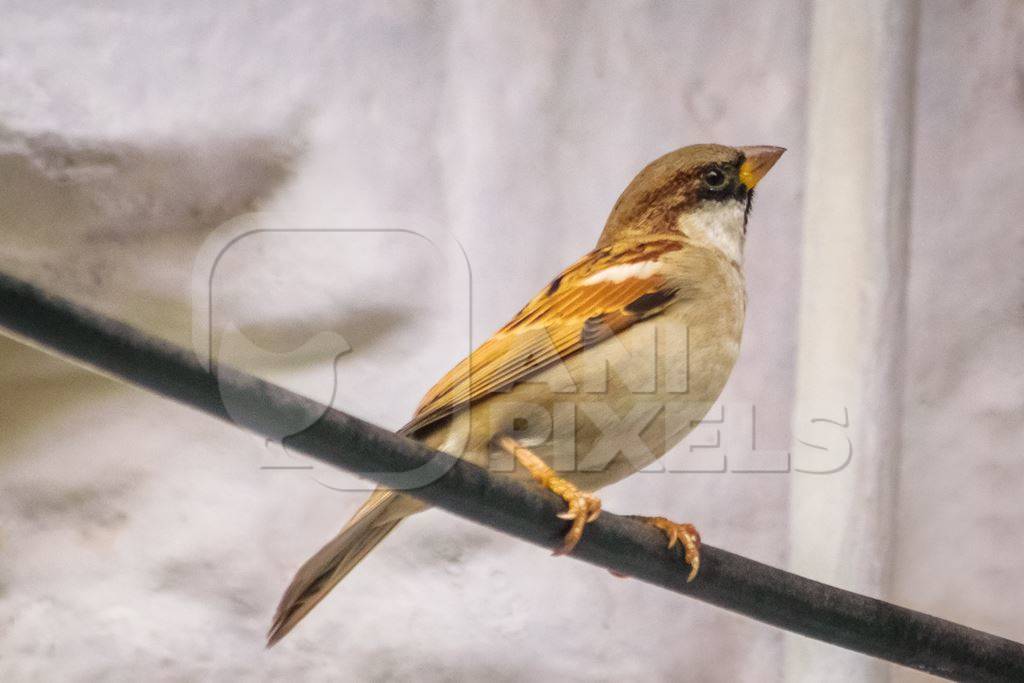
<point>602,415</point>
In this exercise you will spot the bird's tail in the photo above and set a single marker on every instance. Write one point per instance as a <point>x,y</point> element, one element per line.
<point>378,516</point>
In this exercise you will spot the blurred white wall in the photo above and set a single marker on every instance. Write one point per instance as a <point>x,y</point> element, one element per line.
<point>962,468</point>
<point>138,537</point>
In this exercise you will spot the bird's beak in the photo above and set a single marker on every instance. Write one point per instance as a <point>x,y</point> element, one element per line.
<point>759,160</point>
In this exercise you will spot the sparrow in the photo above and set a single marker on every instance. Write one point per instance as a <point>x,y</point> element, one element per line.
<point>607,368</point>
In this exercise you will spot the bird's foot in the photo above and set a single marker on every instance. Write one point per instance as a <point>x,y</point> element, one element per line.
<point>679,533</point>
<point>583,507</point>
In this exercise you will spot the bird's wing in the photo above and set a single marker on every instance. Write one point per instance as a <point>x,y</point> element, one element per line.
<point>600,295</point>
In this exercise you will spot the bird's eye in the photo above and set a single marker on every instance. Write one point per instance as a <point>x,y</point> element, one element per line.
<point>714,179</point>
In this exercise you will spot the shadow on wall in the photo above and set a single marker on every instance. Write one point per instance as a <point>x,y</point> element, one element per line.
<point>77,212</point>
<point>115,226</point>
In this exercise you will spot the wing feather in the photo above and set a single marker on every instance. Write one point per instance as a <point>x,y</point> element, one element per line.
<point>558,322</point>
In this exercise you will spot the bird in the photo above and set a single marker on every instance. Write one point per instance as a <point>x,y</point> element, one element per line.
<point>607,368</point>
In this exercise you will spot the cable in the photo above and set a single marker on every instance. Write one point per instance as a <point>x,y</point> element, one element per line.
<point>627,546</point>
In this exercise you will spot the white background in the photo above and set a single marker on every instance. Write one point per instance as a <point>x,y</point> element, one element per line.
<point>139,538</point>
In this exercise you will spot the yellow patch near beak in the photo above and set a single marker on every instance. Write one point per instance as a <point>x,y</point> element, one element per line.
<point>759,160</point>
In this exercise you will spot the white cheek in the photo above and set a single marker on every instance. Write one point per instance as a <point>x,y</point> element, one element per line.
<point>719,224</point>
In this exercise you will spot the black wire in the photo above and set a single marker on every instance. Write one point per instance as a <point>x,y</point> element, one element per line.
<point>627,546</point>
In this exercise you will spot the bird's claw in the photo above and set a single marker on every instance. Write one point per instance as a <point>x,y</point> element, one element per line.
<point>681,533</point>
<point>583,509</point>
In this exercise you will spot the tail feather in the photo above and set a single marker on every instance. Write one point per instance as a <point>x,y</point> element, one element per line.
<point>334,561</point>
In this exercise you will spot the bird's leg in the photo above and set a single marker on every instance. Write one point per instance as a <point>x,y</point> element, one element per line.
<point>684,533</point>
<point>583,507</point>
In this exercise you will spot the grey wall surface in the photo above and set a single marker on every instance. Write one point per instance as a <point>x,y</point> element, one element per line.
<point>962,469</point>
<point>138,537</point>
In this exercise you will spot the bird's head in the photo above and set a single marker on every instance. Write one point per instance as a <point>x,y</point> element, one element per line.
<point>702,191</point>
